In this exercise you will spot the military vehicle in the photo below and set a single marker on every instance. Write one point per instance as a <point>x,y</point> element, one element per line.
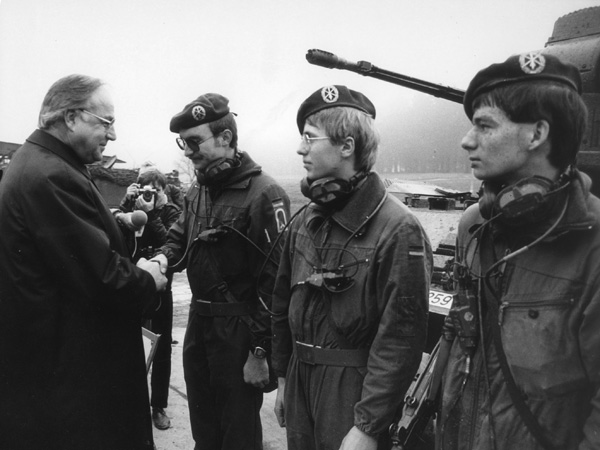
<point>576,39</point>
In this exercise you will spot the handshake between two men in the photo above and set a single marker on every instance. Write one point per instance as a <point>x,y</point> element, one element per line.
<point>157,267</point>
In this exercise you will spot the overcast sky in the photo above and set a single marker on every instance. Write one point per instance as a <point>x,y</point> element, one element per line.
<point>158,55</point>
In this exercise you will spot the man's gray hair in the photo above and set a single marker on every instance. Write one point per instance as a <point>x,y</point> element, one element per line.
<point>70,92</point>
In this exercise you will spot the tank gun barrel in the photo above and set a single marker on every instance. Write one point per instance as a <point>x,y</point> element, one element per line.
<point>331,61</point>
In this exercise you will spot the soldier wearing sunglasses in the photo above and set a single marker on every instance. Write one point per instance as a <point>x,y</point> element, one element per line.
<point>351,296</point>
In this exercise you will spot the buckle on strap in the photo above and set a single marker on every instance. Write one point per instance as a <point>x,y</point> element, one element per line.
<point>314,355</point>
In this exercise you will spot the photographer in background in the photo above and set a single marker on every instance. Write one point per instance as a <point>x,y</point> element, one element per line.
<point>172,189</point>
<point>148,195</point>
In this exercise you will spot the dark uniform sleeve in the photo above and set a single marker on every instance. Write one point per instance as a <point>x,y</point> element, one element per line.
<point>404,263</point>
<point>177,235</point>
<point>268,215</point>
<point>282,336</point>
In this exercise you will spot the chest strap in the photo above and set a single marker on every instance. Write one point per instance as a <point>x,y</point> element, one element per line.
<point>210,309</point>
<point>309,354</point>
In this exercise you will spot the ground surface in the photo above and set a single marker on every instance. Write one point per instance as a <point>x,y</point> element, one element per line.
<point>179,436</point>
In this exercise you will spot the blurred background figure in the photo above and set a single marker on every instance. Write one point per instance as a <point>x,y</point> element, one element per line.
<point>173,189</point>
<point>148,195</point>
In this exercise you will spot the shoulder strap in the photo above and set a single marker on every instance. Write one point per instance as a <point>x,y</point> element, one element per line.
<point>516,395</point>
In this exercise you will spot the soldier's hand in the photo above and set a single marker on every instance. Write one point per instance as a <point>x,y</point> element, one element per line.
<point>154,269</point>
<point>280,402</point>
<point>358,440</point>
<point>256,371</point>
<point>162,260</point>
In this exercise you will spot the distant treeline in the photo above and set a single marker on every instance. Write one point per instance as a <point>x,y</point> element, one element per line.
<point>427,139</point>
<point>422,161</point>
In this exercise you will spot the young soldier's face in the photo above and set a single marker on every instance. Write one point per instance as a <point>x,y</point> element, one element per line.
<point>497,146</point>
<point>321,158</point>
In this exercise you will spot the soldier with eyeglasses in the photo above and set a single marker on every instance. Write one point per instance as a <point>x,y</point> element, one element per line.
<point>351,296</point>
<point>225,239</point>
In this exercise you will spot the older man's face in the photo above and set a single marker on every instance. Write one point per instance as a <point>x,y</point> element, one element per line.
<point>91,134</point>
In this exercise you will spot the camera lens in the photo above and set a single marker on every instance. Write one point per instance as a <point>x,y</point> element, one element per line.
<point>148,196</point>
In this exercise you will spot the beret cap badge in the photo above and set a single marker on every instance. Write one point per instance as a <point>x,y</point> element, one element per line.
<point>198,113</point>
<point>529,67</point>
<point>333,96</point>
<point>205,109</point>
<point>532,63</point>
<point>330,94</point>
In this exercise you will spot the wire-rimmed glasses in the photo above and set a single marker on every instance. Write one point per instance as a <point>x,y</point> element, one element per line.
<point>106,123</point>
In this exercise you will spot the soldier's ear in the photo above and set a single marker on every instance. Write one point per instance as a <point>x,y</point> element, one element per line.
<point>348,147</point>
<point>540,133</point>
<point>225,136</point>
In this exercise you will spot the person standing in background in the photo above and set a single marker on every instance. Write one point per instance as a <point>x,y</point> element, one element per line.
<point>148,195</point>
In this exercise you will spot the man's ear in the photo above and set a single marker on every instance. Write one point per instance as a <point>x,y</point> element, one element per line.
<point>540,134</point>
<point>348,147</point>
<point>69,117</point>
<point>225,137</point>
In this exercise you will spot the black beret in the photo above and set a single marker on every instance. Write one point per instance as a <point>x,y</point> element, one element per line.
<point>205,109</point>
<point>532,66</point>
<point>331,97</point>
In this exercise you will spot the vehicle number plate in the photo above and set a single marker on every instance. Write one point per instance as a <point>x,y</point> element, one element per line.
<point>439,301</point>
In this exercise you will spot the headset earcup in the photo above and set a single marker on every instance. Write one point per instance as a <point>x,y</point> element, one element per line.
<point>305,187</point>
<point>330,190</point>
<point>218,170</point>
<point>486,202</point>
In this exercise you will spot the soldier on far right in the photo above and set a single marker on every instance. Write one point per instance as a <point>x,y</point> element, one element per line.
<point>524,365</point>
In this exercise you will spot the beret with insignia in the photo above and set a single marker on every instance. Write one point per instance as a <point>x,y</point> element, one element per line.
<point>331,97</point>
<point>205,109</point>
<point>532,66</point>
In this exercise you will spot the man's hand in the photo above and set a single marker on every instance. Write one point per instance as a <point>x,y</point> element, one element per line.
<point>132,191</point>
<point>143,205</point>
<point>358,440</point>
<point>125,220</point>
<point>154,269</point>
<point>280,402</point>
<point>256,371</point>
<point>162,261</point>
